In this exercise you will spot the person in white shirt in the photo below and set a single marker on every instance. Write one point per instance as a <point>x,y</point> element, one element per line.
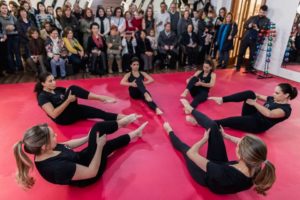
<point>118,20</point>
<point>162,18</point>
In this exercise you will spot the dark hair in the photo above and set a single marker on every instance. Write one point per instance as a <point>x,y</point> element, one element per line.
<point>38,88</point>
<point>100,8</point>
<point>20,10</point>
<point>115,11</point>
<point>54,29</point>
<point>146,14</point>
<point>163,3</point>
<point>210,63</point>
<point>224,9</point>
<point>37,7</point>
<point>31,30</point>
<point>94,24</point>
<point>190,24</point>
<point>287,88</point>
<point>67,31</point>
<point>264,8</point>
<point>134,59</point>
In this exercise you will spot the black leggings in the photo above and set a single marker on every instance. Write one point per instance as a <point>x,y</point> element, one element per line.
<point>75,112</point>
<point>216,148</point>
<point>198,93</point>
<point>139,93</point>
<point>248,122</point>
<point>87,154</point>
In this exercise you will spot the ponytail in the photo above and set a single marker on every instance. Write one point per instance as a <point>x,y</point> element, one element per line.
<point>38,88</point>
<point>265,178</point>
<point>24,165</point>
<point>294,93</point>
<point>287,88</point>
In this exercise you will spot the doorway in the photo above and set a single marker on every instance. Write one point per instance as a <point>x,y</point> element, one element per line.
<point>242,10</point>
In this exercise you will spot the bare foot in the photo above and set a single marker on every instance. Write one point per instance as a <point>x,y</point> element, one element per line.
<point>167,127</point>
<point>110,100</point>
<point>138,132</point>
<point>128,119</point>
<point>159,112</point>
<point>218,100</point>
<point>191,120</point>
<point>184,94</point>
<point>187,107</point>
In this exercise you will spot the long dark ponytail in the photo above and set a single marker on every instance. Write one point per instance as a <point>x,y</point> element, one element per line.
<point>287,88</point>
<point>38,88</point>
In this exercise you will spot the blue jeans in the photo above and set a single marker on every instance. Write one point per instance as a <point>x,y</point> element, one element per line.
<point>58,63</point>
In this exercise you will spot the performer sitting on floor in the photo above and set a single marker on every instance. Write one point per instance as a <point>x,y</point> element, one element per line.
<point>61,105</point>
<point>257,118</point>
<point>199,84</point>
<point>59,164</point>
<point>215,171</point>
<point>136,82</point>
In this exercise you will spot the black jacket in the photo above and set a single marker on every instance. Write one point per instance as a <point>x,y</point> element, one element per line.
<point>143,46</point>
<point>91,45</point>
<point>261,22</point>
<point>185,38</point>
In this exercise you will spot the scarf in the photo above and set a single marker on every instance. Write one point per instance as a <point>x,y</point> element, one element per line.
<point>101,24</point>
<point>97,41</point>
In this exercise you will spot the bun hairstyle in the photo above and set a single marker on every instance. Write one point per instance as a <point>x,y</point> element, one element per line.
<point>253,151</point>
<point>134,59</point>
<point>33,140</point>
<point>287,88</point>
<point>38,88</point>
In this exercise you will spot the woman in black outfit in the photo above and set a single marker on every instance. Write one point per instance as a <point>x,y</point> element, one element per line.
<point>189,42</point>
<point>257,118</point>
<point>61,105</point>
<point>136,82</point>
<point>215,171</point>
<point>59,164</point>
<point>199,84</point>
<point>96,48</point>
<point>144,50</point>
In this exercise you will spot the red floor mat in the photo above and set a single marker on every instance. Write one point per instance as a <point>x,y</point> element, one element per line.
<point>150,168</point>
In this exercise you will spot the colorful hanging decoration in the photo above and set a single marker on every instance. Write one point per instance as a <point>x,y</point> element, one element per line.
<point>270,34</point>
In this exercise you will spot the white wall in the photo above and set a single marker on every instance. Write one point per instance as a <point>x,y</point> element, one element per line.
<point>281,12</point>
<point>219,4</point>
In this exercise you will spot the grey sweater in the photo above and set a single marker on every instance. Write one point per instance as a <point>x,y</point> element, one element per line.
<point>8,20</point>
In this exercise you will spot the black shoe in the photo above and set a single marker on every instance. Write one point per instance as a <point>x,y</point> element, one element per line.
<point>250,70</point>
<point>218,66</point>
<point>237,68</point>
<point>223,67</point>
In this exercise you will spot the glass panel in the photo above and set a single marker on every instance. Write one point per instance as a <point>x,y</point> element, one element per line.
<point>291,59</point>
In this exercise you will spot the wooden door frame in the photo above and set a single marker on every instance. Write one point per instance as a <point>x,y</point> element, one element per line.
<point>241,18</point>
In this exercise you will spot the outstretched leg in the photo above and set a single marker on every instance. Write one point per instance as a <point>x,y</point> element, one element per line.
<point>239,97</point>
<point>196,172</point>
<point>147,97</point>
<point>216,148</point>
<point>189,86</point>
